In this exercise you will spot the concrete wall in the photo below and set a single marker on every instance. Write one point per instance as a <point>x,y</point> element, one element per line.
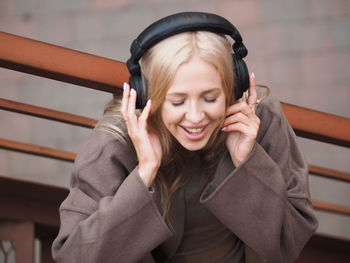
<point>300,48</point>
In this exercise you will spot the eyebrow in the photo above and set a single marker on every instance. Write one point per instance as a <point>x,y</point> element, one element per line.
<point>183,94</point>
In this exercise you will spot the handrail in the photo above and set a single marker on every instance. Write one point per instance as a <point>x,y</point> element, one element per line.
<point>318,125</point>
<point>75,67</point>
<point>37,150</point>
<point>59,63</point>
<point>339,209</point>
<point>32,56</point>
<point>329,173</point>
<point>46,113</point>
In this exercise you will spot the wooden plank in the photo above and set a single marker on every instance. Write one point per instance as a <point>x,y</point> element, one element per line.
<point>63,64</point>
<point>318,125</point>
<point>37,150</point>
<point>339,209</point>
<point>46,113</point>
<point>329,173</point>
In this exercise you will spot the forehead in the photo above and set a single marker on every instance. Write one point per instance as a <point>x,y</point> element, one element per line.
<point>196,75</point>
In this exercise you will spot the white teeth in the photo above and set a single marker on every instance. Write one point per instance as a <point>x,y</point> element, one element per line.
<point>194,131</point>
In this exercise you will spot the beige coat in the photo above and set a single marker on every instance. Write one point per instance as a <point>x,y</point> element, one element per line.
<point>110,216</point>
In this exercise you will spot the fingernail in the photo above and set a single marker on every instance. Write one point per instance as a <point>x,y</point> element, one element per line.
<point>132,92</point>
<point>223,128</point>
<point>125,86</point>
<point>253,75</point>
<point>148,102</point>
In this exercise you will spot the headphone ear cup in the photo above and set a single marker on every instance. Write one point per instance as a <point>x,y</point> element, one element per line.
<point>135,83</point>
<point>240,76</point>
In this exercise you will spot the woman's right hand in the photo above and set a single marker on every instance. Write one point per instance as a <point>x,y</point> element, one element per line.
<point>146,143</point>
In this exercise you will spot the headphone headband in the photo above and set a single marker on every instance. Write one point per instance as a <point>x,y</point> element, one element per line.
<point>179,23</point>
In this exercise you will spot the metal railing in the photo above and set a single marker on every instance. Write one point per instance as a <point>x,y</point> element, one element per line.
<point>70,66</point>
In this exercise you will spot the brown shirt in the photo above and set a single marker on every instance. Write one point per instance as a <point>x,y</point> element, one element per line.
<point>204,237</point>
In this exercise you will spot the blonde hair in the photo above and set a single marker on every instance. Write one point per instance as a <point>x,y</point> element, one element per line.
<point>159,65</point>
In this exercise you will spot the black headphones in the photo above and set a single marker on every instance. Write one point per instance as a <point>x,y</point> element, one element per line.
<point>179,23</point>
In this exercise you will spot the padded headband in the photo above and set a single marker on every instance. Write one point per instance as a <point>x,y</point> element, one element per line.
<point>179,23</point>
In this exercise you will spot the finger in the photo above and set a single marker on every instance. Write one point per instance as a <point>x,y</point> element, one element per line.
<point>130,112</point>
<point>241,106</point>
<point>145,113</point>
<point>238,117</point>
<point>251,123</point>
<point>246,131</point>
<point>125,99</point>
<point>253,96</point>
<point>131,103</point>
<point>236,127</point>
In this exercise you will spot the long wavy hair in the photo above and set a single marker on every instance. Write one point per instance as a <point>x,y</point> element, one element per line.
<point>159,65</point>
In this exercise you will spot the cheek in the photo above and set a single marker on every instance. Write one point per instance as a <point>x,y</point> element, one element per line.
<point>217,112</point>
<point>170,116</point>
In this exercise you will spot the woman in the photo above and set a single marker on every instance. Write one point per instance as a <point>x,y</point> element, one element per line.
<point>195,176</point>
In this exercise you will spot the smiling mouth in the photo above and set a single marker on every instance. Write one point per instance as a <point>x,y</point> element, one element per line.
<point>194,131</point>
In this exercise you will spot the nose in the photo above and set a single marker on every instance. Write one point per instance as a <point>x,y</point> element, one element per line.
<point>194,113</point>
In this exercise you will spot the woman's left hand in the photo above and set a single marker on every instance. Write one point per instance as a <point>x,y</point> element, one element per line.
<point>242,125</point>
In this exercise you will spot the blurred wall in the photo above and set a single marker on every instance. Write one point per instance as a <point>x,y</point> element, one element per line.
<point>300,48</point>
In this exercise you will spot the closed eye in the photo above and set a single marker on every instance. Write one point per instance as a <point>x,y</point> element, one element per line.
<point>210,100</point>
<point>177,103</point>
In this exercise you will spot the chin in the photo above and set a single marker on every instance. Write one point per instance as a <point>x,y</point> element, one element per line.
<point>194,146</point>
